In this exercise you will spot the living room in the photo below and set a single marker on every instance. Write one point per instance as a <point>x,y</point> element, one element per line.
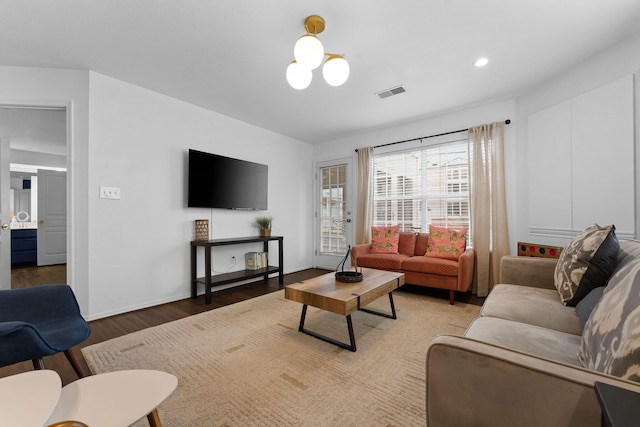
<point>133,253</point>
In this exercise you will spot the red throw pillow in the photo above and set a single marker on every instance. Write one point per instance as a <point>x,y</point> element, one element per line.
<point>385,239</point>
<point>446,243</point>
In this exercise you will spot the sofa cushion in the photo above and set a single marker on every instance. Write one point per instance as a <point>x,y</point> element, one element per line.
<point>586,263</point>
<point>629,251</point>
<point>407,243</point>
<point>424,264</point>
<point>385,239</point>
<point>534,306</point>
<point>611,338</point>
<point>446,243</point>
<point>588,303</point>
<point>542,342</point>
<point>382,261</point>
<point>422,240</point>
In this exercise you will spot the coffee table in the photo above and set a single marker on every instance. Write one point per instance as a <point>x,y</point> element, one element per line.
<point>28,398</point>
<point>326,293</point>
<point>117,398</point>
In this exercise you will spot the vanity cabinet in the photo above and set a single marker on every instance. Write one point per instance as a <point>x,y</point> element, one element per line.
<point>24,247</point>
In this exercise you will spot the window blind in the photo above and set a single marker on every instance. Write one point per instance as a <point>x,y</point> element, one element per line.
<point>420,187</point>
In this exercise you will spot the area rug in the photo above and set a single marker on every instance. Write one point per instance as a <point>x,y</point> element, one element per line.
<point>247,364</point>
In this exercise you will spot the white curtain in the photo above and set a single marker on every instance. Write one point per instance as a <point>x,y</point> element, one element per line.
<point>488,203</point>
<point>364,209</point>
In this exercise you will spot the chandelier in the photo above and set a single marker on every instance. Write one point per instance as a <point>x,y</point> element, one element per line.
<point>309,54</point>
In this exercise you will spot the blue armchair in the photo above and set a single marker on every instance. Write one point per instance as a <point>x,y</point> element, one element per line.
<point>40,321</point>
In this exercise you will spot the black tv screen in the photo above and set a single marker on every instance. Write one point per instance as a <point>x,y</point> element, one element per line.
<point>226,183</point>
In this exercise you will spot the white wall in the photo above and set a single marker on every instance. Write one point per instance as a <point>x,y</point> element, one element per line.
<point>23,86</point>
<point>40,159</point>
<point>612,64</point>
<point>140,244</point>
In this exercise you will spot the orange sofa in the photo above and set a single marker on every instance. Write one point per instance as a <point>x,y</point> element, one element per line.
<point>419,269</point>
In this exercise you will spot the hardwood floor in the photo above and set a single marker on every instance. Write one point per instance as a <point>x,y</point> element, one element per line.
<point>115,326</point>
<point>22,277</point>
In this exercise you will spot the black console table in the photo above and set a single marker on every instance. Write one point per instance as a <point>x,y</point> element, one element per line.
<point>234,276</point>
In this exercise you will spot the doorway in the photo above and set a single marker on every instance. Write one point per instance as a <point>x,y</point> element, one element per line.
<point>333,217</point>
<point>38,141</point>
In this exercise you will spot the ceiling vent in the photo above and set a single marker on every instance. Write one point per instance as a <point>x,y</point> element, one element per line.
<point>391,92</point>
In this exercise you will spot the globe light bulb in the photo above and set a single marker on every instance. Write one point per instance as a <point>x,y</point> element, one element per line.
<point>335,71</point>
<point>298,77</point>
<point>308,52</point>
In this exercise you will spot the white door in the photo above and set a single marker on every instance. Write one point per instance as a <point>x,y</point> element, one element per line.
<point>334,228</point>
<point>5,231</point>
<point>52,217</point>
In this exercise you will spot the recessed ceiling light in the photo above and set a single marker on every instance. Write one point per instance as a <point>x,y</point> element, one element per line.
<point>481,62</point>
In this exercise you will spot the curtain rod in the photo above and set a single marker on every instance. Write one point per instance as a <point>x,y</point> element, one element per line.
<point>426,137</point>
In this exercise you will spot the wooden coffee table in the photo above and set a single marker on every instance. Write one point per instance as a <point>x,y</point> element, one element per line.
<point>326,293</point>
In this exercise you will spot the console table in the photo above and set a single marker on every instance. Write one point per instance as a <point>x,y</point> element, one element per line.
<point>234,276</point>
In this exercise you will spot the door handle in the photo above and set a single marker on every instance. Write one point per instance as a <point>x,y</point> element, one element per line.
<point>5,226</point>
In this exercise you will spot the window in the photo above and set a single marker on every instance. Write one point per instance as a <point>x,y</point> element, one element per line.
<point>417,188</point>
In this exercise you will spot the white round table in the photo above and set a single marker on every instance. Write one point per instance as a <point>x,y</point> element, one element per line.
<point>114,399</point>
<point>27,399</point>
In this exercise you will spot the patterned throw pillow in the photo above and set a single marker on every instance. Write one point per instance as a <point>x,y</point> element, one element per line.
<point>611,337</point>
<point>588,303</point>
<point>446,243</point>
<point>385,239</point>
<point>586,263</point>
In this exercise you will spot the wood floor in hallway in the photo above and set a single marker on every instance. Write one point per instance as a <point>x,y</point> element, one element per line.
<point>22,277</point>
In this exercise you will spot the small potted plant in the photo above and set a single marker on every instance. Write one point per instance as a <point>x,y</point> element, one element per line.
<point>264,224</point>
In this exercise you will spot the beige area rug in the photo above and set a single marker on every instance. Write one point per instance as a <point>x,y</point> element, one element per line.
<point>247,364</point>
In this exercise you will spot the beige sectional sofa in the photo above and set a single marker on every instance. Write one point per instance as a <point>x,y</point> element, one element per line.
<point>522,362</point>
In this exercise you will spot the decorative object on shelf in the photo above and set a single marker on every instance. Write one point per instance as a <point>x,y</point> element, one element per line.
<point>309,54</point>
<point>255,260</point>
<point>202,229</point>
<point>264,225</point>
<point>348,276</point>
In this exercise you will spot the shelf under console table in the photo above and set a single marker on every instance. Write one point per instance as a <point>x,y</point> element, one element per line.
<point>235,276</point>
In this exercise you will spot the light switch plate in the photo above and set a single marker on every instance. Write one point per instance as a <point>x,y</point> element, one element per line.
<point>109,192</point>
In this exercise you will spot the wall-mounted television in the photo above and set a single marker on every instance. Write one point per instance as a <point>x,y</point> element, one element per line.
<point>226,183</point>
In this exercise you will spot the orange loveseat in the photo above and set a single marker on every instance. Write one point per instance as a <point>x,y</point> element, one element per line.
<point>429,271</point>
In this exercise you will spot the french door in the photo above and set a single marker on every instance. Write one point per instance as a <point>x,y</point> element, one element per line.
<point>334,228</point>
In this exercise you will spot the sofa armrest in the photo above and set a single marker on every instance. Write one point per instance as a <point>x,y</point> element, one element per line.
<point>474,383</point>
<point>528,271</point>
<point>466,264</point>
<point>359,250</point>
